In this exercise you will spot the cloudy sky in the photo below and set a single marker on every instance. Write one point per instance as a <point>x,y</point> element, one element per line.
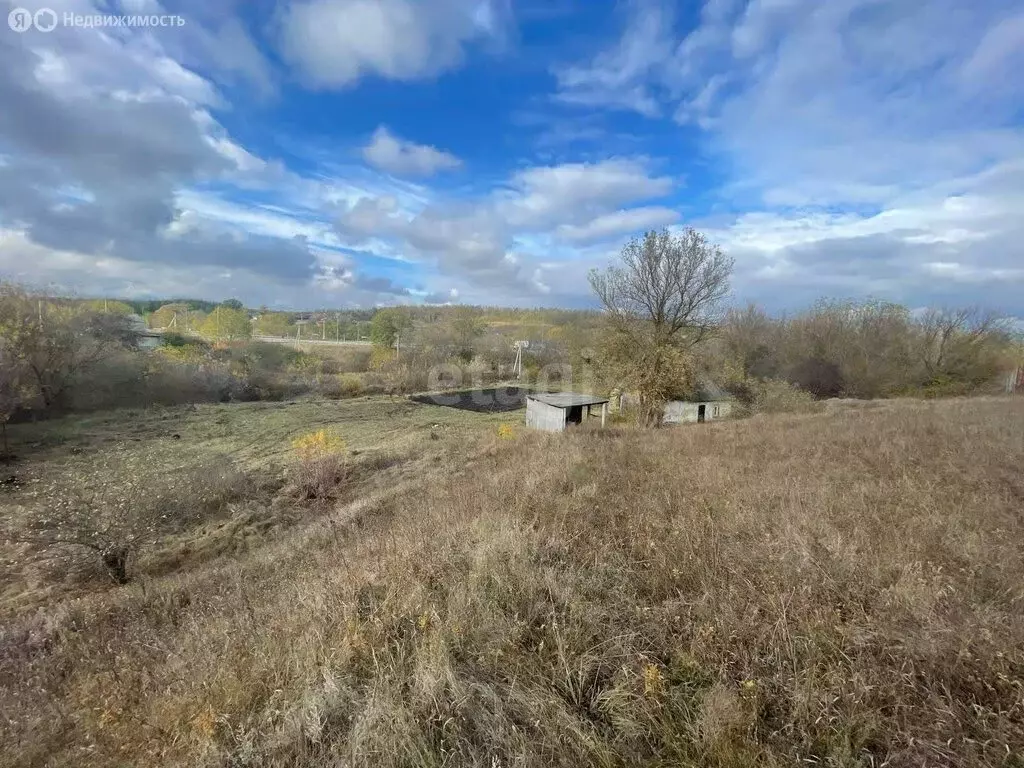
<point>310,153</point>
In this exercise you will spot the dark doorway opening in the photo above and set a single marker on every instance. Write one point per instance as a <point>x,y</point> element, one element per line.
<point>575,415</point>
<point>701,413</point>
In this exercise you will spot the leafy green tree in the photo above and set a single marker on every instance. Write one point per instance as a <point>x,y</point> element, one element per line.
<point>194,320</point>
<point>233,304</point>
<point>274,324</point>
<point>174,316</point>
<point>388,325</point>
<point>466,326</point>
<point>52,342</point>
<point>226,324</point>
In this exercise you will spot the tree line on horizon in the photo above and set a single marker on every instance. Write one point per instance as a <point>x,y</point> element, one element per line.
<point>664,325</point>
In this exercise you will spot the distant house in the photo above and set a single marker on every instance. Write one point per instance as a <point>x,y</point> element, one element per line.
<point>707,402</point>
<point>556,411</point>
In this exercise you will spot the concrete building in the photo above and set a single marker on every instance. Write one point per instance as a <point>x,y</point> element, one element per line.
<point>684,411</point>
<point>707,402</point>
<point>555,411</point>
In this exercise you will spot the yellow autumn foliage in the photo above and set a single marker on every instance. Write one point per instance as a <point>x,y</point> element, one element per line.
<point>314,445</point>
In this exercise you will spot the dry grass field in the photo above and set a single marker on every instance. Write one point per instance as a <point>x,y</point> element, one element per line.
<point>841,588</point>
<point>391,443</point>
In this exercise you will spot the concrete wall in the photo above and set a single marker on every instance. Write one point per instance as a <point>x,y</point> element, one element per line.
<point>679,412</point>
<point>685,412</point>
<point>543,416</point>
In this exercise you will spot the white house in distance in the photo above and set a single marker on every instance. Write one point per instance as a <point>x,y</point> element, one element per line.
<point>556,411</point>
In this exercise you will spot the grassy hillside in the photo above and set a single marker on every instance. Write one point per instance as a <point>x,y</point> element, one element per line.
<point>841,588</point>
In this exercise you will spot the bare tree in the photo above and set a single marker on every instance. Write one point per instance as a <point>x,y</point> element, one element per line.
<point>749,337</point>
<point>954,341</point>
<point>672,283</point>
<point>664,299</point>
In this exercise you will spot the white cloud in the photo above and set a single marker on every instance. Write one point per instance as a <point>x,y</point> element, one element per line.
<point>999,52</point>
<point>876,146</point>
<point>575,193</point>
<point>931,248</point>
<point>881,112</point>
<point>252,218</point>
<point>84,274</point>
<point>104,129</point>
<point>621,76</point>
<point>334,43</point>
<point>502,242</point>
<point>405,158</point>
<point>827,103</point>
<point>760,21</point>
<point>617,223</point>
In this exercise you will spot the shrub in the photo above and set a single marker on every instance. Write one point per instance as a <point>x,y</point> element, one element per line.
<point>944,386</point>
<point>345,359</point>
<point>820,377</point>
<point>775,396</point>
<point>400,377</point>
<point>268,356</point>
<point>180,340</point>
<point>338,387</point>
<point>306,366</point>
<point>171,380</point>
<point>271,385</point>
<point>190,353</point>
<point>321,465</point>
<point>380,357</point>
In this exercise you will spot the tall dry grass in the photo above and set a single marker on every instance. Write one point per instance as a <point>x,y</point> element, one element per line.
<point>832,589</point>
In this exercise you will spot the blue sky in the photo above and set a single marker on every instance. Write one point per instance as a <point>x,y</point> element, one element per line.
<point>311,153</point>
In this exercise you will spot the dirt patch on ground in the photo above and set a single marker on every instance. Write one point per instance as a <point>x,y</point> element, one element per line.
<point>494,400</point>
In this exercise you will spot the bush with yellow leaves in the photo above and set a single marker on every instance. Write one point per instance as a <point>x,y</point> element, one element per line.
<point>321,466</point>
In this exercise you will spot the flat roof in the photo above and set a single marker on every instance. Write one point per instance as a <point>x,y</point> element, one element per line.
<point>566,399</point>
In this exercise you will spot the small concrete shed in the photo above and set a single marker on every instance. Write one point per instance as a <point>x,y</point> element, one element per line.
<point>682,412</point>
<point>707,402</point>
<point>554,411</point>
